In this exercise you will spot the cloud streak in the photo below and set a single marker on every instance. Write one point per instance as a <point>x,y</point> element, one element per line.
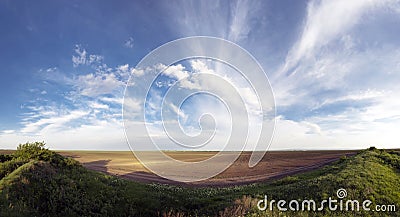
<point>326,21</point>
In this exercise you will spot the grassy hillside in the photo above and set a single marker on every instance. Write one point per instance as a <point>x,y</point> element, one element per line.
<point>370,175</point>
<point>39,182</point>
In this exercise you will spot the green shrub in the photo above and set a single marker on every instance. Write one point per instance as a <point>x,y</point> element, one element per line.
<point>30,151</point>
<point>9,166</point>
<point>37,151</point>
<point>5,157</point>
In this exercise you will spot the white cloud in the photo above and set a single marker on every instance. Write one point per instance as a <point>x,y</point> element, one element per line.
<point>129,43</point>
<point>355,73</point>
<point>348,134</point>
<point>137,72</point>
<point>326,20</point>
<point>231,20</point>
<point>359,96</point>
<point>82,57</point>
<point>123,68</point>
<point>95,85</point>
<point>53,122</point>
<point>373,124</point>
<point>113,100</point>
<point>7,131</point>
<point>348,82</point>
<point>385,108</point>
<point>207,76</point>
<point>104,135</point>
<point>176,71</point>
<point>312,127</point>
<point>132,106</point>
<point>242,12</point>
<point>200,66</point>
<point>178,111</point>
<point>97,105</point>
<point>94,59</point>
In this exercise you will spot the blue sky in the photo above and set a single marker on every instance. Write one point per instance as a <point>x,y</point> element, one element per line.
<point>334,66</point>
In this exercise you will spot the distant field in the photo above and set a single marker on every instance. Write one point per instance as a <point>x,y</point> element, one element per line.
<point>6,151</point>
<point>275,164</point>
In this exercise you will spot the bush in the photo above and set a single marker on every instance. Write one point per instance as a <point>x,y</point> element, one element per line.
<point>31,151</point>
<point>5,157</point>
<point>9,166</point>
<point>37,151</point>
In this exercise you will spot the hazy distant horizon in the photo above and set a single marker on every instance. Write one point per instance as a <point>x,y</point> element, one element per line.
<point>128,150</point>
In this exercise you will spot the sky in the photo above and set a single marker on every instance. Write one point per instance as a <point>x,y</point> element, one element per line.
<point>334,69</point>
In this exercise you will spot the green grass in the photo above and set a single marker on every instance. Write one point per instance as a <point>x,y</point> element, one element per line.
<point>40,182</point>
<point>370,175</point>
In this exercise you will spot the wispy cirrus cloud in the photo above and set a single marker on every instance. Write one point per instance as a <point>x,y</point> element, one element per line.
<point>232,20</point>
<point>337,81</point>
<point>325,22</point>
<point>328,52</point>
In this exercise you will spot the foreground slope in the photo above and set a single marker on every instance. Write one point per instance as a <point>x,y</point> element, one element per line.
<point>370,175</point>
<point>38,182</point>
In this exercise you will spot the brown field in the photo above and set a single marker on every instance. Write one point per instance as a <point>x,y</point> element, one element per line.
<point>3,151</point>
<point>275,164</point>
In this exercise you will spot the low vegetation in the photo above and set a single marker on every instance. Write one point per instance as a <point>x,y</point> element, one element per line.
<point>35,181</point>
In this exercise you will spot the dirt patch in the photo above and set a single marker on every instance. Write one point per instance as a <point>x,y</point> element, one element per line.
<point>275,164</point>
